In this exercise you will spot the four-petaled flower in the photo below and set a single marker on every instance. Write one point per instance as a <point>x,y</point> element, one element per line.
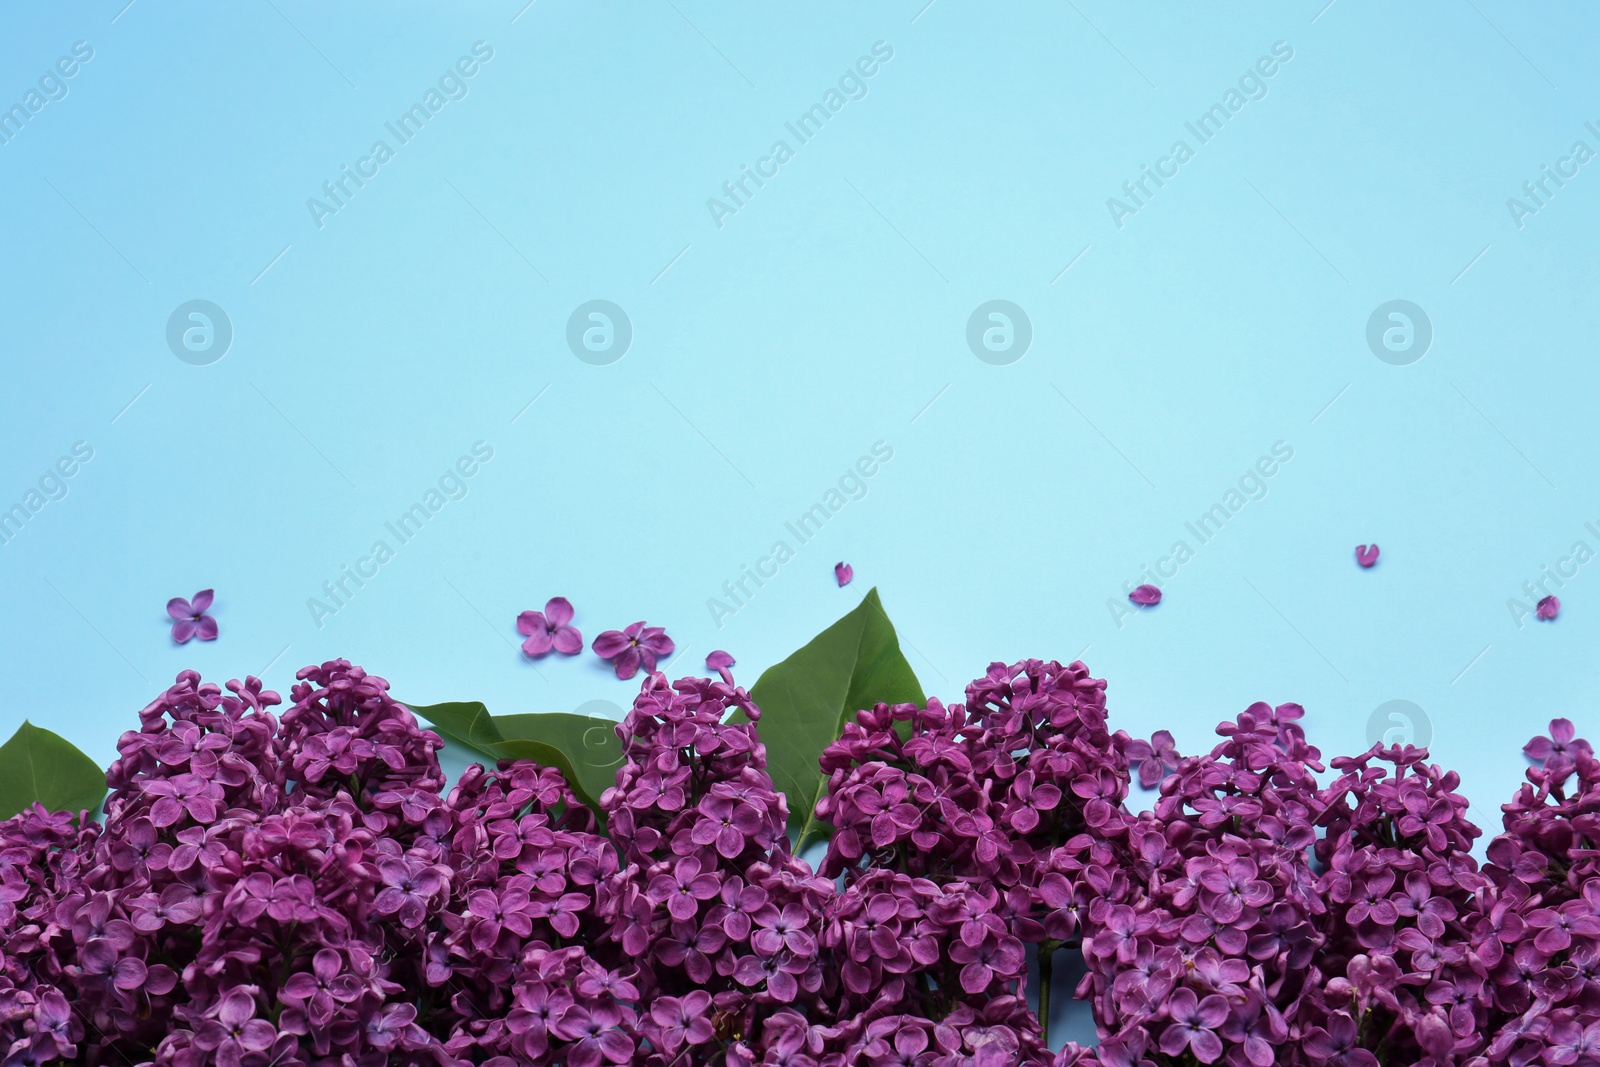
<point>683,1021</point>
<point>1153,758</point>
<point>550,629</point>
<point>629,649</point>
<point>190,618</point>
<point>1560,748</point>
<point>1194,1025</point>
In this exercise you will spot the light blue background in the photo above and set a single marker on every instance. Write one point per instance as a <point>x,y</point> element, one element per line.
<point>769,354</point>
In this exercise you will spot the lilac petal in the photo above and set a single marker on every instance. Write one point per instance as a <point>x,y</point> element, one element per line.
<point>567,641</point>
<point>627,663</point>
<point>1366,555</point>
<point>610,644</point>
<point>178,608</point>
<point>538,643</point>
<point>656,640</point>
<point>206,628</point>
<point>1146,596</point>
<point>718,660</point>
<point>1548,609</point>
<point>182,630</point>
<point>531,622</point>
<point>202,601</point>
<point>559,611</point>
<point>843,572</point>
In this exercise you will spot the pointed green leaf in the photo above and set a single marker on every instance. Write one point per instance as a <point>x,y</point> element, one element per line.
<point>586,749</point>
<point>806,700</point>
<point>37,765</point>
<point>466,722</point>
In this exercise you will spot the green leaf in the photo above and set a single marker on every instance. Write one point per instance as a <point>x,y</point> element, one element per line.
<point>37,765</point>
<point>466,722</point>
<point>806,700</point>
<point>586,749</point>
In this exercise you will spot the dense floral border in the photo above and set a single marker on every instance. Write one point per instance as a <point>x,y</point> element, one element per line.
<point>301,889</point>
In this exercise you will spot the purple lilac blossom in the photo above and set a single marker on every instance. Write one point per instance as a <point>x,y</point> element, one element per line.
<point>302,890</point>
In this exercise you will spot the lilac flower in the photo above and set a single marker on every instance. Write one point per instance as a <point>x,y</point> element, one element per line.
<point>1336,1045</point>
<point>320,992</point>
<point>629,649</point>
<point>550,629</point>
<point>1154,758</point>
<point>190,618</point>
<point>233,1031</point>
<point>683,888</point>
<point>1146,596</point>
<point>1560,748</point>
<point>1366,555</point>
<point>393,1026</point>
<point>1194,1022</point>
<point>783,929</point>
<point>186,795</point>
<point>598,1035</point>
<point>991,957</point>
<point>685,1021</point>
<point>409,887</point>
<point>1547,609</point>
<point>1574,1042</point>
<point>727,824</point>
<point>842,573</point>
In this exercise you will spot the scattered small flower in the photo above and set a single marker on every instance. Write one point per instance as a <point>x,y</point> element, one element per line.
<point>1366,555</point>
<point>1547,609</point>
<point>1146,596</point>
<point>629,649</point>
<point>191,620</point>
<point>550,629</point>
<point>843,572</point>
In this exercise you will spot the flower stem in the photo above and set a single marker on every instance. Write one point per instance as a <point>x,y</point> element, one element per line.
<point>1047,950</point>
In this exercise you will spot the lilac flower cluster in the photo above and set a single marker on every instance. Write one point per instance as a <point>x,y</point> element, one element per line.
<point>296,891</point>
<point>302,890</point>
<point>947,822</point>
<point>727,922</point>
